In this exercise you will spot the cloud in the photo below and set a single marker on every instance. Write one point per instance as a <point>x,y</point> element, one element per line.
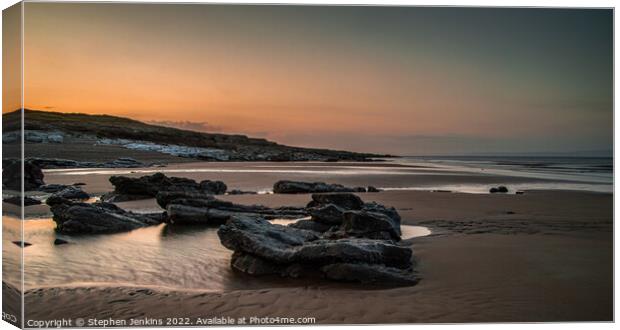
<point>198,126</point>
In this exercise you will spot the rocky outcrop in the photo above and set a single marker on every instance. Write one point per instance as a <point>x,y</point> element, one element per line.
<point>345,240</point>
<point>128,188</point>
<point>12,175</point>
<point>203,209</point>
<point>97,218</point>
<point>299,187</point>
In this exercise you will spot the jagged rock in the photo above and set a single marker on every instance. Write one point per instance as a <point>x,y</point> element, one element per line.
<point>298,187</point>
<point>500,189</point>
<point>370,225</point>
<point>311,225</point>
<point>346,201</point>
<point>128,188</point>
<point>329,214</point>
<point>12,175</point>
<point>285,245</point>
<point>361,249</point>
<point>262,239</point>
<point>97,218</point>
<point>16,200</point>
<point>366,273</point>
<point>372,189</point>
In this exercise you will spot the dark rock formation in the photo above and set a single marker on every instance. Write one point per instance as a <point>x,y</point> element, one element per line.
<point>344,200</point>
<point>329,214</point>
<point>71,192</point>
<point>345,240</point>
<point>371,225</point>
<point>298,187</point>
<point>241,192</point>
<point>97,218</point>
<point>12,175</point>
<point>16,200</point>
<point>263,248</point>
<point>372,189</point>
<point>60,241</point>
<point>500,189</point>
<point>128,188</point>
<point>197,208</point>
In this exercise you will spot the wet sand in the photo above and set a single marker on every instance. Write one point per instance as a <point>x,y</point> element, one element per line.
<point>540,256</point>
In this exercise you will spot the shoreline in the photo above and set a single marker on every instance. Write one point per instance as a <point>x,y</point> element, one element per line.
<point>539,256</point>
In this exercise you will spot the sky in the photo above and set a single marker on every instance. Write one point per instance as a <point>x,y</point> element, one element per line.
<point>401,80</point>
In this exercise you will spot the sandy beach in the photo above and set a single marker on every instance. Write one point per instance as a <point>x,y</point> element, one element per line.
<point>537,256</point>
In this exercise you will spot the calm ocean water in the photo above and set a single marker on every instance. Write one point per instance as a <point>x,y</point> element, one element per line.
<point>574,173</point>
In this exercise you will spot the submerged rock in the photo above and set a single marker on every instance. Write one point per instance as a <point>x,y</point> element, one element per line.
<point>22,244</point>
<point>298,187</point>
<point>60,241</point>
<point>97,218</point>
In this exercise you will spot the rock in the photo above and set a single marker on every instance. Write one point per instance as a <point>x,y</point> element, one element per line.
<point>71,192</point>
<point>311,225</point>
<point>260,238</point>
<point>59,241</point>
<point>241,192</point>
<point>21,243</point>
<point>520,192</point>
<point>200,208</point>
<point>180,197</point>
<point>97,218</point>
<point>213,187</point>
<point>16,200</point>
<point>189,215</point>
<point>298,187</point>
<point>346,201</point>
<point>256,266</point>
<point>128,188</point>
<point>52,187</point>
<point>123,162</point>
<point>370,225</point>
<point>500,189</point>
<point>12,176</point>
<point>353,250</point>
<point>369,274</point>
<point>329,214</point>
<point>372,189</point>
<point>286,246</point>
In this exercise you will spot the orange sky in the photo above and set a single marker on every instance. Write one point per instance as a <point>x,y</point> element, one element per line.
<point>294,73</point>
